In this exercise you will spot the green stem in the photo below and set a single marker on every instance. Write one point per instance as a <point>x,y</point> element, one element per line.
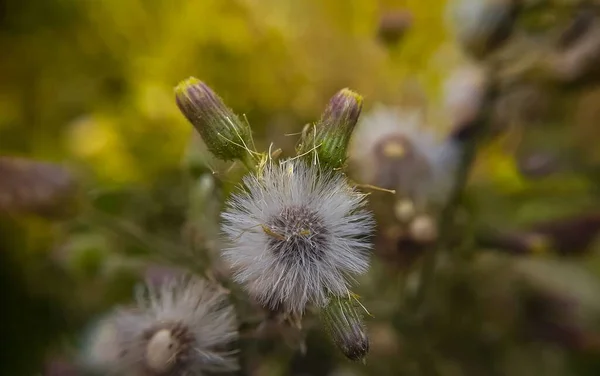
<point>249,161</point>
<point>445,225</point>
<point>478,125</point>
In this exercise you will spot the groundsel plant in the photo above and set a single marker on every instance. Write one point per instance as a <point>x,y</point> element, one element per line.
<point>296,232</point>
<point>185,326</point>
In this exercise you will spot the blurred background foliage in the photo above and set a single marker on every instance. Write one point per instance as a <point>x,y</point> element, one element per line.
<point>89,84</point>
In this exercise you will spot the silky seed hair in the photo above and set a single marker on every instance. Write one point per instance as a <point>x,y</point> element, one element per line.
<point>185,326</point>
<point>296,234</point>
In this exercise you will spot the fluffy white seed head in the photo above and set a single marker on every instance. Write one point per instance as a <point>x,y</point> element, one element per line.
<point>391,149</point>
<point>183,327</point>
<point>296,235</point>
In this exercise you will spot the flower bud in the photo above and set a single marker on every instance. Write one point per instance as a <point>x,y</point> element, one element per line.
<point>393,25</point>
<point>465,93</point>
<point>483,25</point>
<point>225,135</point>
<point>423,229</point>
<point>344,324</point>
<point>34,187</point>
<point>330,137</point>
<point>579,61</point>
<point>404,210</point>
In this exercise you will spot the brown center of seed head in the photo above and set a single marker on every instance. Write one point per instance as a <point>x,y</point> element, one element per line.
<point>297,232</point>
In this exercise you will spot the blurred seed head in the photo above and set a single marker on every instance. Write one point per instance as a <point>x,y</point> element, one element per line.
<point>391,149</point>
<point>295,235</point>
<point>183,327</point>
<point>102,347</point>
<point>343,321</point>
<point>483,25</point>
<point>329,137</point>
<point>34,187</point>
<point>225,134</point>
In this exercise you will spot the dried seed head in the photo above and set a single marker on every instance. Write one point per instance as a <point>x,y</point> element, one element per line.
<point>182,328</point>
<point>344,323</point>
<point>329,137</point>
<point>391,149</point>
<point>295,235</point>
<point>225,135</point>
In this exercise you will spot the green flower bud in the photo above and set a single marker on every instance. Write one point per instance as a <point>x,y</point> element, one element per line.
<point>343,321</point>
<point>330,136</point>
<point>225,135</point>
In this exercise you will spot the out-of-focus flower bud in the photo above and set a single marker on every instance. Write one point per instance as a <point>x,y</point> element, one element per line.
<point>343,321</point>
<point>578,26</point>
<point>464,95</point>
<point>580,58</point>
<point>34,187</point>
<point>483,25</point>
<point>225,134</point>
<point>538,164</point>
<point>330,136</point>
<point>423,229</point>
<point>404,210</point>
<point>393,25</point>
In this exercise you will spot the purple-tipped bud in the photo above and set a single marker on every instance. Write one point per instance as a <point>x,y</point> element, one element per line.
<point>344,324</point>
<point>225,135</point>
<point>330,136</point>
